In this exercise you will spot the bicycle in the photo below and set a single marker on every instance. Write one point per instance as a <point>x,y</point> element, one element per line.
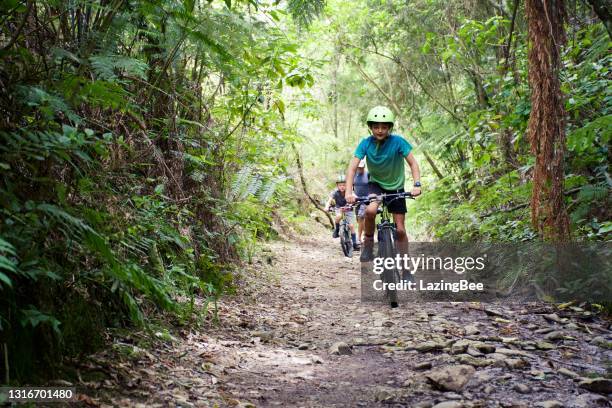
<point>386,233</point>
<point>345,231</point>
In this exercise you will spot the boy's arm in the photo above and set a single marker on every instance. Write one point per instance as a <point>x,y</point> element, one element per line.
<point>328,203</point>
<point>350,175</point>
<point>416,173</point>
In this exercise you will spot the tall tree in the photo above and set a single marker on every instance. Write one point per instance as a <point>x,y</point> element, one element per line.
<point>603,9</point>
<point>547,119</point>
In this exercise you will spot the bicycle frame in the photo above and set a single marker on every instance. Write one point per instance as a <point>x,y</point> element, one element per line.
<point>389,276</point>
<point>385,222</point>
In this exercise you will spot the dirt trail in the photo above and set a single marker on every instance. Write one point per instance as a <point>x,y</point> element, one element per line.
<point>272,348</point>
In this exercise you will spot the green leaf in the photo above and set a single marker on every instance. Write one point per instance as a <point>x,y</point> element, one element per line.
<point>6,280</point>
<point>605,227</point>
<point>159,189</point>
<point>189,5</point>
<point>33,317</point>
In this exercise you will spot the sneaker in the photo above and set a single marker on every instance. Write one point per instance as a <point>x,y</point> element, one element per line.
<point>336,233</point>
<point>367,251</point>
<point>356,247</point>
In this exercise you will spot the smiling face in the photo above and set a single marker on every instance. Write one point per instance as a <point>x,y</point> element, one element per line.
<point>341,187</point>
<point>380,130</point>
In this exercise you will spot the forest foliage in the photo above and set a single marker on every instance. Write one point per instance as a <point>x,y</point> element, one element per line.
<point>147,146</point>
<point>142,157</point>
<point>456,73</point>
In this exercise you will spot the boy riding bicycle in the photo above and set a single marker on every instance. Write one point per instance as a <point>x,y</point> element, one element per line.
<point>338,198</point>
<point>385,154</point>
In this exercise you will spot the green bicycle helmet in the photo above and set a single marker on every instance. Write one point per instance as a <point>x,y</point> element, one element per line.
<point>380,114</point>
<point>341,179</point>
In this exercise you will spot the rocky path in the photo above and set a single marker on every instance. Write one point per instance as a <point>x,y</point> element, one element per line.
<point>302,338</point>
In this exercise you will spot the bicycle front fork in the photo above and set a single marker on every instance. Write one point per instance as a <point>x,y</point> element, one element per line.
<point>381,227</point>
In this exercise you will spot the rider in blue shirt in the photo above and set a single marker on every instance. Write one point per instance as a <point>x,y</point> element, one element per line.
<point>360,187</point>
<point>386,155</point>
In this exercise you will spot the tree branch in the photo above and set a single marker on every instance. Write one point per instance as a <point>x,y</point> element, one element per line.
<point>303,181</point>
<point>410,73</point>
<point>509,44</point>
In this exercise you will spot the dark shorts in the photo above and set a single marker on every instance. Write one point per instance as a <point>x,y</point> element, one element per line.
<point>397,206</point>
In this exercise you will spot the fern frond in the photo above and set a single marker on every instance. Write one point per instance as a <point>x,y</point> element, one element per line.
<point>7,264</point>
<point>254,184</point>
<point>305,11</point>
<point>592,192</point>
<point>6,247</point>
<point>268,188</point>
<point>46,102</point>
<point>106,66</point>
<point>240,182</point>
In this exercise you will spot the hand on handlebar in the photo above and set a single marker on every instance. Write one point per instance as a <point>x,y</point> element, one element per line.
<point>416,191</point>
<point>350,198</point>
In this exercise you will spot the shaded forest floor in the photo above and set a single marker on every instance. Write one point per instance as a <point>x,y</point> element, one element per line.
<point>276,345</point>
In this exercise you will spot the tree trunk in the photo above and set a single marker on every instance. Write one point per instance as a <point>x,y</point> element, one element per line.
<point>506,135</point>
<point>603,9</point>
<point>546,127</point>
<point>481,94</point>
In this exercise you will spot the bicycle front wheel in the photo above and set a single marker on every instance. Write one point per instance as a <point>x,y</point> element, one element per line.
<point>345,241</point>
<point>386,249</point>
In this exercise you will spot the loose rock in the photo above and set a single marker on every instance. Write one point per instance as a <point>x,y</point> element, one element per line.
<point>554,335</point>
<point>545,330</point>
<point>522,388</point>
<point>459,347</point>
<point>568,373</point>
<point>451,378</point>
<point>516,363</point>
<point>474,361</point>
<point>424,404</point>
<point>340,348</point>
<point>590,401</point>
<point>317,360</point>
<point>553,317</point>
<point>601,342</point>
<point>485,348</point>
<point>544,345</point>
<point>473,352</point>
<point>600,385</point>
<point>429,346</point>
<point>449,404</point>
<point>549,404</point>
<point>426,365</point>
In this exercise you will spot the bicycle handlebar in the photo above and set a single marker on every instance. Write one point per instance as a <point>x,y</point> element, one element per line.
<point>380,197</point>
<point>347,207</point>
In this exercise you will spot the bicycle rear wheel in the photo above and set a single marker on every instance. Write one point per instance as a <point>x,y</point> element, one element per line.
<point>345,241</point>
<point>386,249</point>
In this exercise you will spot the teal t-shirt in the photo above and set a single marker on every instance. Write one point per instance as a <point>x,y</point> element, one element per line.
<point>385,160</point>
